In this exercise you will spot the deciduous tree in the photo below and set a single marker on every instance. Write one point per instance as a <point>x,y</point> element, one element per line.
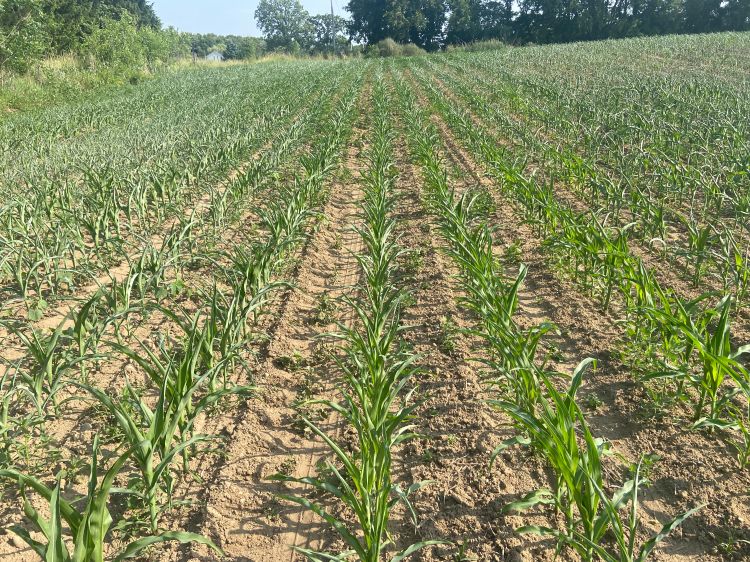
<point>285,25</point>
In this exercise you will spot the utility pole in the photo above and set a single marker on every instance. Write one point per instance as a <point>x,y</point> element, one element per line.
<point>333,31</point>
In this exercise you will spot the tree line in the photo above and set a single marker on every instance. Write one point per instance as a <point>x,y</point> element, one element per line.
<point>33,29</point>
<point>108,34</point>
<point>288,27</point>
<point>128,32</point>
<point>434,24</point>
<point>233,47</point>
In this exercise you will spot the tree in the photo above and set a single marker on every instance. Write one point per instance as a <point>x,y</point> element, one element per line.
<point>69,22</point>
<point>22,36</point>
<point>477,20</point>
<point>141,10</point>
<point>702,16</point>
<point>464,23</point>
<point>654,17</point>
<point>497,20</point>
<point>325,28</point>
<point>231,50</point>
<point>116,46</point>
<point>218,48</point>
<point>368,22</point>
<point>285,25</point>
<point>406,21</point>
<point>162,47</point>
<point>736,15</point>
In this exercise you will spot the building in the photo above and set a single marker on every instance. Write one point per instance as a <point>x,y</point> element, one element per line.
<point>215,56</point>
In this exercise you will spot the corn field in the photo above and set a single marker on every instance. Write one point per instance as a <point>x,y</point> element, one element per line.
<point>472,306</point>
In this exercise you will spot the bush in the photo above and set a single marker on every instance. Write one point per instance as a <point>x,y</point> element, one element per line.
<point>116,47</point>
<point>119,50</point>
<point>162,47</point>
<point>23,40</point>
<point>486,45</point>
<point>389,48</point>
<point>411,50</point>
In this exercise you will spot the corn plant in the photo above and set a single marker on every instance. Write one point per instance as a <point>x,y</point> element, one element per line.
<point>376,370</point>
<point>699,239</point>
<point>18,423</point>
<point>558,430</point>
<point>708,336</point>
<point>179,374</point>
<point>549,421</point>
<point>49,362</point>
<point>88,328</point>
<point>88,529</point>
<point>157,436</point>
<point>224,329</point>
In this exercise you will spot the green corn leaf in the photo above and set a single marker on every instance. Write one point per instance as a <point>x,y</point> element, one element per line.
<point>539,530</point>
<point>517,440</point>
<point>649,545</point>
<point>56,550</point>
<point>35,545</point>
<point>338,525</point>
<point>136,547</point>
<point>415,547</point>
<point>315,556</point>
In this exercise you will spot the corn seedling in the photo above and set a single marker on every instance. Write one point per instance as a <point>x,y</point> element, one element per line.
<point>558,430</point>
<point>88,529</point>
<point>376,371</point>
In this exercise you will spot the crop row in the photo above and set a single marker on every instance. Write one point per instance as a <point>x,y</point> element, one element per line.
<point>186,375</point>
<point>62,227</point>
<point>549,420</point>
<point>684,344</point>
<point>376,367</point>
<point>682,219</point>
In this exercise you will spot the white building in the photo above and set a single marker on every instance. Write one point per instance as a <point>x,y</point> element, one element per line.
<point>215,56</point>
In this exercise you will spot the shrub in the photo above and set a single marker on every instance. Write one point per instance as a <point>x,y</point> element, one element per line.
<point>486,45</point>
<point>120,50</point>
<point>412,50</point>
<point>116,46</point>
<point>23,40</point>
<point>162,47</point>
<point>388,48</point>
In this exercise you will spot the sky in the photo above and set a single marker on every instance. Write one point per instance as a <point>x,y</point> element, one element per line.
<point>226,17</point>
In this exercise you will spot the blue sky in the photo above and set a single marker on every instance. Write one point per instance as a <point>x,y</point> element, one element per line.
<point>225,17</point>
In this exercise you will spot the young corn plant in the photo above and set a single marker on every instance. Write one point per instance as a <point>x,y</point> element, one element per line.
<point>158,436</point>
<point>20,426</point>
<point>552,422</point>
<point>49,361</point>
<point>180,374</point>
<point>493,299</point>
<point>88,327</point>
<point>707,335</point>
<point>376,371</point>
<point>698,251</point>
<point>559,432</point>
<point>86,531</point>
